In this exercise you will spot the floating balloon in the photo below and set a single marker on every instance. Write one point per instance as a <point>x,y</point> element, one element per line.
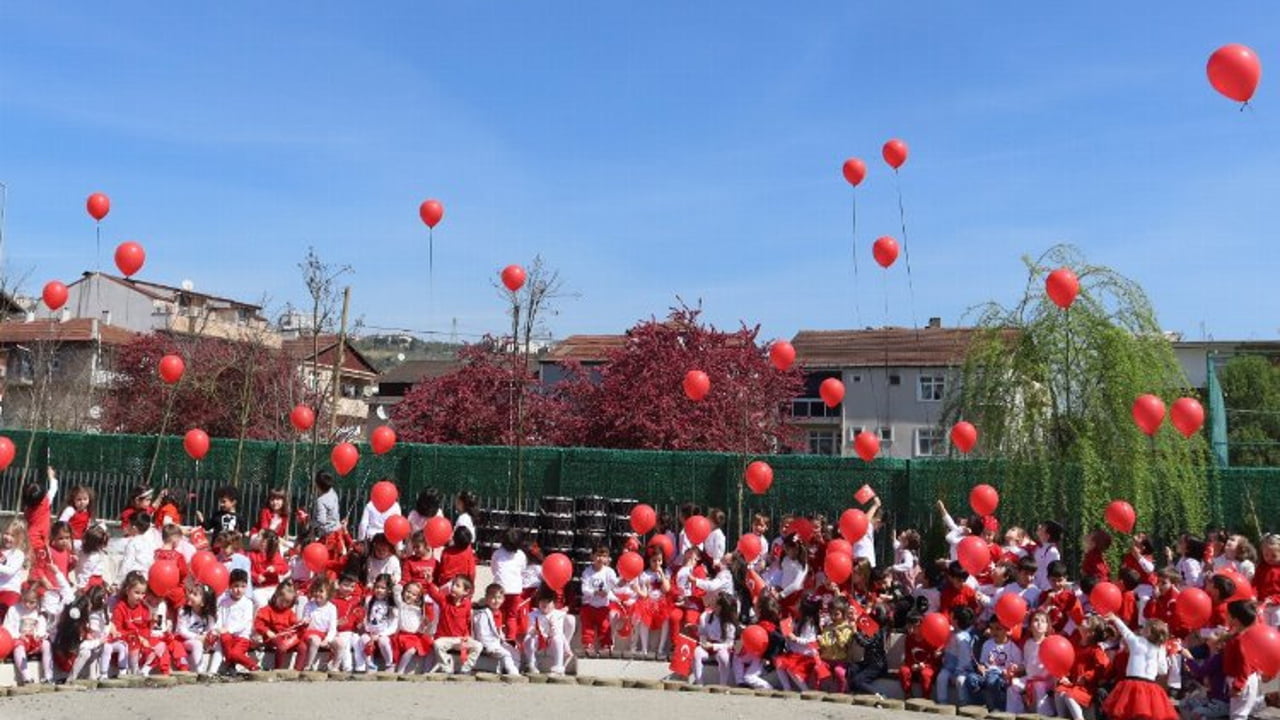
<point>782,354</point>
<point>895,153</point>
<point>54,294</point>
<point>344,457</point>
<point>755,640</point>
<point>431,212</point>
<point>1105,598</point>
<point>513,277</point>
<point>1120,516</point>
<point>1057,655</point>
<point>1261,645</point>
<point>973,554</point>
<point>759,477</point>
<point>935,628</point>
<point>643,518</point>
<point>964,436</point>
<point>867,445</point>
<point>885,251</point>
<point>316,557</point>
<point>1194,607</point>
<point>832,392</point>
<point>383,495</point>
<point>838,567</point>
<point>556,571</point>
<point>98,206</point>
<point>302,418</point>
<point>854,171</point>
<point>129,258</point>
<point>382,439</point>
<point>217,577</point>
<point>397,529</point>
<point>839,545</point>
<point>1187,416</point>
<point>664,544</point>
<point>199,560</point>
<point>1234,70</point>
<point>162,577</point>
<point>438,531</point>
<point>1148,413</point>
<point>984,499</point>
<point>196,443</point>
<point>750,546</point>
<point>1063,286</point>
<point>1011,608</point>
<point>853,524</point>
<point>697,528</point>
<point>696,385</point>
<point>630,565</point>
<point>171,368</point>
<point>7,453</point>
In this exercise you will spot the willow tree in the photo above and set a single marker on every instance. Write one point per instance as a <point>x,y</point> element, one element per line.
<point>1052,391</point>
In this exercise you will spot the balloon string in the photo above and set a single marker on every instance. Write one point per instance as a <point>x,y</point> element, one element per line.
<point>906,249</point>
<point>431,271</point>
<point>884,287</point>
<point>857,304</point>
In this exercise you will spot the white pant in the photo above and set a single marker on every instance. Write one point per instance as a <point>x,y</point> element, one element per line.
<point>722,660</point>
<point>445,661</point>
<point>1041,696</point>
<point>508,656</point>
<point>341,650</point>
<point>20,662</point>
<point>1068,707</point>
<point>1249,699</point>
<point>556,645</point>
<point>363,660</point>
<point>747,669</point>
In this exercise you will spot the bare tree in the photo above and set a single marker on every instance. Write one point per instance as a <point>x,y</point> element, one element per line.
<point>321,280</point>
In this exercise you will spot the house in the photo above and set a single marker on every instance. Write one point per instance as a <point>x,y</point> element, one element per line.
<point>895,380</point>
<point>590,351</point>
<point>52,372</point>
<point>396,382</point>
<point>357,377</point>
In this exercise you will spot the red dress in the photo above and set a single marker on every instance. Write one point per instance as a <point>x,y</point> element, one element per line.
<point>455,562</point>
<point>268,520</point>
<point>267,571</point>
<point>132,624</point>
<point>1138,699</point>
<point>1091,666</point>
<point>39,521</point>
<point>79,522</point>
<point>1164,607</point>
<point>1095,564</point>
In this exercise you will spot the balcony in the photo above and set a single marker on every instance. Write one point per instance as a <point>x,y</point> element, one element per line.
<point>813,409</point>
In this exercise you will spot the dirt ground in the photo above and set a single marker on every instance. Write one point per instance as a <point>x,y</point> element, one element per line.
<point>422,701</point>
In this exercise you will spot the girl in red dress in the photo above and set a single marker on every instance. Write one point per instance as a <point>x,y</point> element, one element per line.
<point>653,603</point>
<point>1138,696</point>
<point>276,625</point>
<point>130,622</point>
<point>267,567</point>
<point>1074,694</point>
<point>799,665</point>
<point>79,512</point>
<point>273,516</point>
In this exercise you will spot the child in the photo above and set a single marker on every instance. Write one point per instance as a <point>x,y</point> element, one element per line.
<point>1032,687</point>
<point>380,624</point>
<point>1190,564</point>
<point>276,624</point>
<point>547,631</point>
<point>235,622</point>
<point>169,552</point>
<point>998,661</point>
<point>799,664</point>
<point>1242,676</point>
<point>348,603</point>
<point>419,565</point>
<point>1163,605</point>
<point>598,583</point>
<point>1075,693</point>
<point>957,657</point>
<point>795,570</point>
<point>225,518</point>
<point>835,642</point>
<point>1238,554</point>
<point>326,515</point>
<point>906,565</point>
<point>373,520</point>
<point>920,660</point>
<point>1049,534</point>
<point>30,632</point>
<point>412,637</point>
<point>140,548</point>
<point>1061,601</point>
<point>508,565</point>
<point>1095,557</point>
<point>465,505</point>
<point>714,545</point>
<point>425,507</point>
<point>1266,580</point>
<point>749,667</point>
<point>79,512</point>
<point>458,559</point>
<point>654,606</point>
<point>37,501</point>
<point>82,630</point>
<point>382,560</point>
<point>195,630</point>
<point>958,592</point>
<point>229,547</point>
<point>1138,696</point>
<point>139,502</point>
<point>1213,701</point>
<point>487,630</point>
<point>320,620</point>
<point>454,626</point>
<point>717,631</point>
<point>92,562</point>
<point>273,516</point>
<point>875,662</point>
<point>155,642</point>
<point>13,568</point>
<point>131,620</point>
<point>268,567</point>
<point>168,510</point>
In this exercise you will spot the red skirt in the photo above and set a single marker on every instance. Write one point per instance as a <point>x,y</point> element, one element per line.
<point>1138,699</point>
<point>802,666</point>
<point>1081,694</point>
<point>403,642</point>
<point>653,613</point>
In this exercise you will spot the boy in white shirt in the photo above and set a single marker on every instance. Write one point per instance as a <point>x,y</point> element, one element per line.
<point>999,660</point>
<point>486,628</point>
<point>235,622</point>
<point>547,631</point>
<point>598,583</point>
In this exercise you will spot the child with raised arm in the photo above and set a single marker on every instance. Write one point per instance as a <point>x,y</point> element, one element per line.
<point>486,627</point>
<point>412,640</point>
<point>1138,696</point>
<point>453,630</point>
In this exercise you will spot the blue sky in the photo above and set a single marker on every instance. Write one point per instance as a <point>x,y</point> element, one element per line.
<point>647,151</point>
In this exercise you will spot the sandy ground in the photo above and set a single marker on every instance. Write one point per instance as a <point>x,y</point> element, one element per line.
<point>425,701</point>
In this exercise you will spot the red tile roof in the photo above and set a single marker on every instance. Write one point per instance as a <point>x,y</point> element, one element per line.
<point>893,346</point>
<point>74,330</point>
<point>585,348</point>
<point>352,361</point>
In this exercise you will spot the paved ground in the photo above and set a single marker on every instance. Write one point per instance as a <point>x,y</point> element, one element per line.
<point>422,701</point>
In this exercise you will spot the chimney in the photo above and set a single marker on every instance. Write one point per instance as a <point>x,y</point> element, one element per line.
<point>106,317</point>
<point>65,315</point>
<point>935,322</point>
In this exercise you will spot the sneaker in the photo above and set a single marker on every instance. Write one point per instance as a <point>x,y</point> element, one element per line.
<point>531,670</point>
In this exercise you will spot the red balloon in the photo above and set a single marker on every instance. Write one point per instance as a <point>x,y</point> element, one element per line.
<point>397,529</point>
<point>98,206</point>
<point>867,445</point>
<point>750,546</point>
<point>6,643</point>
<point>663,543</point>
<point>556,571</point>
<point>1148,413</point>
<point>1057,655</point>
<point>755,640</point>
<point>697,529</point>
<point>1063,286</point>
<point>1244,590</point>
<point>935,628</point>
<point>438,531</point>
<point>129,258</point>
<point>7,453</point>
<point>630,565</point>
<point>217,577</point>
<point>854,171</point>
<point>55,295</point>
<point>171,368</point>
<point>513,277</point>
<point>782,354</point>
<point>1105,598</point>
<point>759,477</point>
<point>696,385</point>
<point>974,555</point>
<point>199,560</point>
<point>1261,646</point>
<point>832,392</point>
<point>316,557</point>
<point>885,251</point>
<point>853,524</point>
<point>1187,415</point>
<point>382,439</point>
<point>839,545</point>
<point>643,518</point>
<point>196,443</point>
<point>1194,607</point>
<point>984,499</point>
<point>383,495</point>
<point>1011,609</point>
<point>1234,70</point>
<point>431,212</point>
<point>895,153</point>
<point>302,418</point>
<point>344,457</point>
<point>838,567</point>
<point>1120,516</point>
<point>162,577</point>
<point>964,436</point>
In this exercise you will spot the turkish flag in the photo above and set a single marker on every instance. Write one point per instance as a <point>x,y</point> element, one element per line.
<point>199,539</point>
<point>864,494</point>
<point>682,655</point>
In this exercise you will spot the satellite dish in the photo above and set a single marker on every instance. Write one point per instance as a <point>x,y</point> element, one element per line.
<point>95,412</point>
<point>400,357</point>
<point>381,412</point>
<point>188,285</point>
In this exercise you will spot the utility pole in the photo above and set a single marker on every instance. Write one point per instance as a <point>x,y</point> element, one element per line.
<point>337,363</point>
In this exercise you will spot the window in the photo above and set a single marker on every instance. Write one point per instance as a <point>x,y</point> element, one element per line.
<point>822,442</point>
<point>895,379</point>
<point>932,388</point>
<point>810,404</point>
<point>930,442</point>
<point>886,436</point>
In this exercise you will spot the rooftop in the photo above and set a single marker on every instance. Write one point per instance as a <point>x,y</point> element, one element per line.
<point>878,347</point>
<point>413,371</point>
<point>169,293</point>
<point>74,330</point>
<point>585,348</point>
<point>352,360</point>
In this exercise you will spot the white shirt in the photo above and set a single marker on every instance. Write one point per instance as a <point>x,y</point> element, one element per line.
<point>595,581</point>
<point>711,630</point>
<point>14,620</point>
<point>1044,555</point>
<point>508,569</point>
<point>1000,655</point>
<point>464,520</point>
<point>321,618</point>
<point>140,552</point>
<point>418,522</point>
<point>721,583</point>
<point>1146,661</point>
<point>192,626</point>
<point>389,565</point>
<point>12,573</point>
<point>551,625</point>
<point>484,628</point>
<point>372,522</point>
<point>793,575</point>
<point>380,617</point>
<point>1031,659</point>
<point>409,618</point>
<point>1192,572</point>
<point>714,545</point>
<point>866,546</point>
<point>235,617</point>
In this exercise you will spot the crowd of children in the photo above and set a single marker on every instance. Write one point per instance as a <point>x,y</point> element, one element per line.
<point>767,612</point>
